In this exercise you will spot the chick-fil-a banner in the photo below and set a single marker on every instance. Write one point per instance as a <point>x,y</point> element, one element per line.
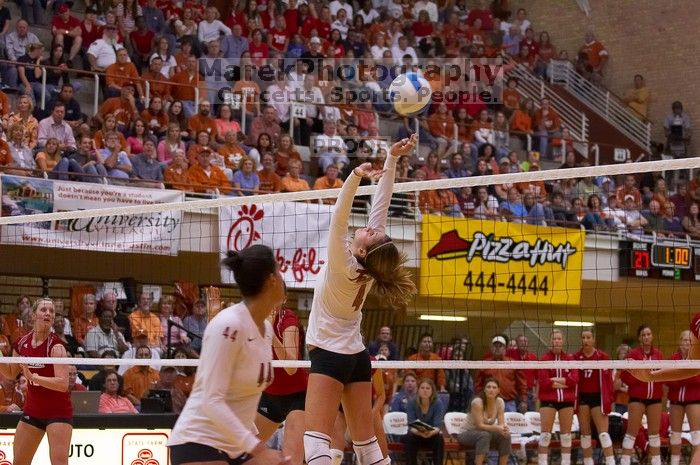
<point>297,232</point>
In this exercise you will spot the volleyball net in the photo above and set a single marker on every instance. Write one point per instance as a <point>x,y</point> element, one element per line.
<point>516,254</point>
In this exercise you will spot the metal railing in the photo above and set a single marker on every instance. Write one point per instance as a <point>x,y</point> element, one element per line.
<point>536,89</point>
<point>603,102</point>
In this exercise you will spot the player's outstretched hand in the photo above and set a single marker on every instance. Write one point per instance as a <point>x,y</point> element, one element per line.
<point>365,170</point>
<point>404,146</point>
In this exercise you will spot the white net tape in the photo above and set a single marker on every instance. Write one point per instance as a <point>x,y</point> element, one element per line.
<point>513,178</point>
<point>400,365</point>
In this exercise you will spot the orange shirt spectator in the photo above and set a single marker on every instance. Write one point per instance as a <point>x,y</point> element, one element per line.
<point>269,180</point>
<point>4,105</point>
<point>176,175</point>
<point>293,182</point>
<point>123,109</point>
<point>439,201</point>
<point>155,122</point>
<point>184,82</point>
<point>203,122</point>
<point>204,174</point>
<point>597,55</point>
<point>329,181</point>
<point>139,380</point>
<point>143,322</point>
<point>249,91</point>
<point>122,72</point>
<point>425,354</point>
<point>441,123</point>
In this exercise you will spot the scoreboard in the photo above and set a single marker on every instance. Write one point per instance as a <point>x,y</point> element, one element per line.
<point>660,260</point>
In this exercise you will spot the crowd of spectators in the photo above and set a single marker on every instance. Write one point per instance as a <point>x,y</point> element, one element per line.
<point>223,148</point>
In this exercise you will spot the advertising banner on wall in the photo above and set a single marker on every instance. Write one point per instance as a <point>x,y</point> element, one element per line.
<point>148,233</point>
<point>500,261</point>
<point>101,446</point>
<point>297,232</point>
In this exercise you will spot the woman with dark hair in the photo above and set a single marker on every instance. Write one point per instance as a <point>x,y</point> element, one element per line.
<point>48,409</point>
<point>139,133</point>
<point>225,123</point>
<point>54,76</point>
<point>113,399</point>
<point>486,425</point>
<point>595,398</point>
<point>176,115</point>
<point>557,395</point>
<point>264,145</point>
<point>691,221</point>
<point>428,409</point>
<point>217,424</point>
<point>645,399</point>
<point>340,363</point>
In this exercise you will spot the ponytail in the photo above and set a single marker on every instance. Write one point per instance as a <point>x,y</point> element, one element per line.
<point>393,283</point>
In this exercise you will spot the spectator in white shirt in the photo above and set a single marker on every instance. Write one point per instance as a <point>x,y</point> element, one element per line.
<point>400,51</point>
<point>211,28</point>
<point>341,23</point>
<point>368,13</point>
<point>312,96</point>
<point>615,213</point>
<point>278,95</point>
<point>330,147</point>
<point>379,46</point>
<point>337,5</point>
<point>295,79</point>
<point>428,6</point>
<point>103,52</point>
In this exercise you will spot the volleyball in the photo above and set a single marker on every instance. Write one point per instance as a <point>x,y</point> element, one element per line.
<point>410,93</point>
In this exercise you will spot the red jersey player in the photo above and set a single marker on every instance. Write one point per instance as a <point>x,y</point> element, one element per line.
<point>645,398</point>
<point>47,409</point>
<point>677,374</point>
<point>557,394</point>
<point>283,400</point>
<point>595,397</point>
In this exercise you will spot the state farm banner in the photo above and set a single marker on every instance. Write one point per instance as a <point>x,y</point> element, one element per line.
<point>500,261</point>
<point>297,232</point>
<point>149,233</point>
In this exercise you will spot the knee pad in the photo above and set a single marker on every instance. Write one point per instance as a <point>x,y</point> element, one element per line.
<point>605,440</point>
<point>586,442</point>
<point>695,438</point>
<point>336,457</point>
<point>628,442</point>
<point>316,445</point>
<point>565,439</point>
<point>545,439</point>
<point>676,438</point>
<point>368,452</point>
<point>654,440</point>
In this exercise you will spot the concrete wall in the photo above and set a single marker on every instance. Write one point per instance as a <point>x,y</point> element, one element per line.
<point>649,37</point>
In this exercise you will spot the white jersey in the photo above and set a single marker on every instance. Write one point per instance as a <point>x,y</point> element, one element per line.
<point>235,367</point>
<point>341,290</point>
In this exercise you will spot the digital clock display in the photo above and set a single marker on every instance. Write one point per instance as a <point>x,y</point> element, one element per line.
<point>667,256</point>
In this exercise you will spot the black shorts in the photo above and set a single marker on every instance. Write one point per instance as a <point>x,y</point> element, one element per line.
<point>191,452</point>
<point>686,403</point>
<point>591,399</point>
<point>355,368</point>
<point>556,405</point>
<point>646,402</point>
<point>276,408</point>
<point>43,423</point>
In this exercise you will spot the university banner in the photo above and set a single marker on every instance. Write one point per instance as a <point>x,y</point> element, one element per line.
<point>500,261</point>
<point>148,233</point>
<point>297,232</point>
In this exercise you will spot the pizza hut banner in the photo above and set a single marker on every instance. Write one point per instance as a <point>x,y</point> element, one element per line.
<point>500,261</point>
<point>297,233</point>
<point>148,233</point>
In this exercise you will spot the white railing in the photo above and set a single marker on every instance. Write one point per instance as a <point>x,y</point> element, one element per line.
<point>535,89</point>
<point>603,102</point>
